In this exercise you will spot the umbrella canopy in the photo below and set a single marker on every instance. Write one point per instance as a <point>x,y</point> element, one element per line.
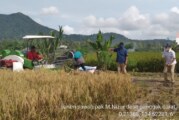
<point>29,37</point>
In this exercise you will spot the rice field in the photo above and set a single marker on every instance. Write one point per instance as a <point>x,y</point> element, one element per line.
<point>45,94</point>
<point>105,95</point>
<point>137,61</point>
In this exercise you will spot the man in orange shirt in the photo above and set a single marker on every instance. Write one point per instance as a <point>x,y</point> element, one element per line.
<point>33,55</point>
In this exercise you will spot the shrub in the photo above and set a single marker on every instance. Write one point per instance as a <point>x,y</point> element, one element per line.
<point>151,65</point>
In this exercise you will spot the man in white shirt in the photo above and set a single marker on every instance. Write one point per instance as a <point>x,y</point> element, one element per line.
<point>170,62</point>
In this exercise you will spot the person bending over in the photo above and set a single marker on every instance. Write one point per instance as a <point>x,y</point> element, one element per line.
<point>78,57</point>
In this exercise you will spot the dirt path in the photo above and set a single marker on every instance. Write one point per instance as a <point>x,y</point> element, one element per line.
<point>155,82</point>
<point>153,90</point>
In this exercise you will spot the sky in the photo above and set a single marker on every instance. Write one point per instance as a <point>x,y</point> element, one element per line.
<point>135,19</point>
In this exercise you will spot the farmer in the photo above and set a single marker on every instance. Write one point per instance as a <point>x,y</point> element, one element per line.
<point>78,57</point>
<point>33,54</point>
<point>121,57</point>
<point>170,62</point>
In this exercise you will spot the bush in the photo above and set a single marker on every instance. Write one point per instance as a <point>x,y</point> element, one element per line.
<point>151,65</point>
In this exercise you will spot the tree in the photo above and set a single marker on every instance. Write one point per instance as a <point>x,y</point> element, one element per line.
<point>48,47</point>
<point>175,46</point>
<point>129,46</point>
<point>101,47</point>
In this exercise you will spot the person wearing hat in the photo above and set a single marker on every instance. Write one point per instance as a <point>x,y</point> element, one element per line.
<point>121,58</point>
<point>170,62</point>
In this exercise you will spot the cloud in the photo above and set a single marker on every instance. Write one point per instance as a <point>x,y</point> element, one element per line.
<point>168,21</point>
<point>132,23</point>
<point>92,21</point>
<point>156,31</point>
<point>68,30</point>
<point>132,19</point>
<point>135,24</point>
<point>52,10</point>
<point>160,18</point>
<point>65,16</point>
<point>175,10</point>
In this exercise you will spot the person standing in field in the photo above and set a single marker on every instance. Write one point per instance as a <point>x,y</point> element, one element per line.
<point>170,62</point>
<point>122,57</point>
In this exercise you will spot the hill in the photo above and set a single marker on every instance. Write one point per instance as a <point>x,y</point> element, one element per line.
<point>17,25</point>
<point>78,37</point>
<point>136,44</point>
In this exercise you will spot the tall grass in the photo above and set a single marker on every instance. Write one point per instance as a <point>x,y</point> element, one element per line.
<point>41,94</point>
<point>137,61</point>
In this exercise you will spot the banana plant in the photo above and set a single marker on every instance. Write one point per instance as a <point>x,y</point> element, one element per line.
<point>48,47</point>
<point>101,47</point>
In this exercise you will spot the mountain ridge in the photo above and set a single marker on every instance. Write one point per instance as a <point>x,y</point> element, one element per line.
<point>17,25</point>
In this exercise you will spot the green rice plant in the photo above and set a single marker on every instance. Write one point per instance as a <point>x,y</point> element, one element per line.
<point>137,61</point>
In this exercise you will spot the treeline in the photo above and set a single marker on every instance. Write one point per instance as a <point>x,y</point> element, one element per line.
<point>12,44</point>
<point>72,44</point>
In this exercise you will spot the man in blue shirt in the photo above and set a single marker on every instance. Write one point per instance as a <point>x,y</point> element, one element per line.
<point>121,58</point>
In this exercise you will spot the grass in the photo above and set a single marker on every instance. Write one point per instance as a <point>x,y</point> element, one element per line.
<point>45,94</point>
<point>137,61</point>
<point>41,94</point>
